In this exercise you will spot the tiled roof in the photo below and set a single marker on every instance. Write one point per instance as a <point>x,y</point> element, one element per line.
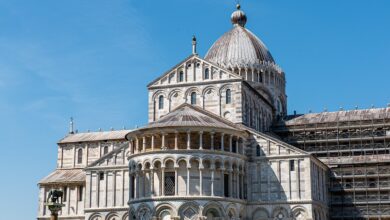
<point>95,136</point>
<point>191,116</point>
<point>240,48</point>
<point>64,176</point>
<point>353,115</point>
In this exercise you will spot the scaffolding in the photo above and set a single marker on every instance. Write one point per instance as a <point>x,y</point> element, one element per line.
<point>358,155</point>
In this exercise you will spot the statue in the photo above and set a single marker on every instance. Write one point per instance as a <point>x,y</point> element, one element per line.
<point>54,195</point>
<point>53,203</point>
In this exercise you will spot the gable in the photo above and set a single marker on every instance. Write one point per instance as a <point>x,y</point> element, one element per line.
<point>116,157</point>
<point>273,147</point>
<point>193,69</point>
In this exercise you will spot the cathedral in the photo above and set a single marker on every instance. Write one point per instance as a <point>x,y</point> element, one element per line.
<point>220,145</point>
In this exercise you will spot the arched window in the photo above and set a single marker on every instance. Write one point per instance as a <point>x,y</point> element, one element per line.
<point>181,76</point>
<point>228,96</point>
<point>207,73</point>
<point>105,150</point>
<point>258,151</point>
<point>160,102</point>
<point>193,98</point>
<point>80,156</point>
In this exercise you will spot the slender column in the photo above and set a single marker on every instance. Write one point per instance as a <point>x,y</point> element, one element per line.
<point>152,142</point>
<point>114,189</point>
<point>152,181</point>
<point>131,146</point>
<point>223,180</point>
<point>237,184</point>
<point>162,181</point>
<point>222,142</point>
<point>176,141</point>
<point>212,169</point>
<point>200,140</point>
<point>176,182</point>
<point>137,144</point>
<point>242,185</point>
<point>188,140</point>
<point>105,188</point>
<point>136,185</point>
<point>212,140</point>
<point>237,145</point>
<point>230,182</point>
<point>200,180</point>
<point>231,143</point>
<point>188,181</point>
<point>163,141</point>
<point>143,144</point>
<point>298,180</point>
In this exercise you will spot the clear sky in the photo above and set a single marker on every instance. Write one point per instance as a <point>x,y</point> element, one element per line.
<point>93,59</point>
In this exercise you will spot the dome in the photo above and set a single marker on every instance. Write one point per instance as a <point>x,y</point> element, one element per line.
<point>239,47</point>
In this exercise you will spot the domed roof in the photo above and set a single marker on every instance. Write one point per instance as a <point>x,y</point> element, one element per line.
<point>239,47</point>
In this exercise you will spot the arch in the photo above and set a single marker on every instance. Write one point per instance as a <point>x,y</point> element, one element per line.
<point>231,211</point>
<point>158,93</point>
<point>191,90</point>
<point>112,216</point>
<point>280,213</point>
<point>95,216</point>
<point>260,214</point>
<point>189,210</point>
<point>299,213</point>
<point>213,208</point>
<point>166,206</point>
<point>144,212</point>
<point>224,87</point>
<point>167,159</point>
<point>127,217</point>
<point>208,88</point>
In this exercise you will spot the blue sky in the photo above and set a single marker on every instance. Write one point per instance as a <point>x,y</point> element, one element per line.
<point>93,59</point>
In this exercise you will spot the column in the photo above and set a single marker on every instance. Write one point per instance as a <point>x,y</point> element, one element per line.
<point>298,183</point>
<point>114,189</point>
<point>136,185</point>
<point>176,182</point>
<point>200,179</point>
<point>222,144</point>
<point>212,169</point>
<point>230,182</point>
<point>223,180</point>
<point>143,144</point>
<point>163,141</point>
<point>237,145</point>
<point>152,181</point>
<point>231,144</point>
<point>131,146</point>
<point>162,182</point>
<point>237,184</point>
<point>176,141</point>
<point>105,188</point>
<point>136,145</point>
<point>188,181</point>
<point>200,140</point>
<point>242,186</point>
<point>152,143</point>
<point>212,140</point>
<point>188,140</point>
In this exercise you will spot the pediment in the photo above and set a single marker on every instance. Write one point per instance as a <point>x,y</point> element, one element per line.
<point>273,147</point>
<point>193,68</point>
<point>116,157</point>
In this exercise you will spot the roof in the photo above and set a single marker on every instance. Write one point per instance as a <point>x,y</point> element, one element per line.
<point>94,136</point>
<point>340,116</point>
<point>191,116</point>
<point>64,176</point>
<point>239,48</point>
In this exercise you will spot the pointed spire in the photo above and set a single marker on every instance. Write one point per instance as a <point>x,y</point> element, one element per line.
<point>71,126</point>
<point>194,43</point>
